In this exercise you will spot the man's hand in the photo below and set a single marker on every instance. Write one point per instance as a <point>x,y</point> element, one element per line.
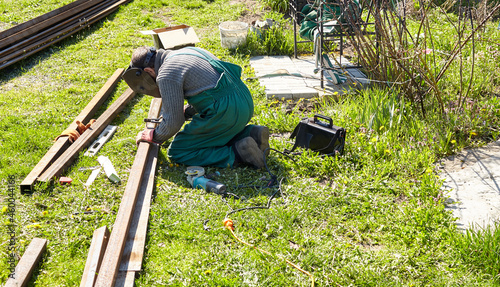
<point>145,136</point>
<point>189,112</point>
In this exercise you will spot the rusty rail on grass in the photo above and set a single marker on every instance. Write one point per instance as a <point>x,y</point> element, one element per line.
<point>30,37</point>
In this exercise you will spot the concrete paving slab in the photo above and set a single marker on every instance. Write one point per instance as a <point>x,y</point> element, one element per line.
<point>302,82</point>
<point>472,182</point>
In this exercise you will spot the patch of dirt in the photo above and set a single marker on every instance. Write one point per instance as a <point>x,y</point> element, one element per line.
<point>253,11</point>
<point>348,50</point>
<point>164,15</point>
<point>401,199</point>
<point>370,247</point>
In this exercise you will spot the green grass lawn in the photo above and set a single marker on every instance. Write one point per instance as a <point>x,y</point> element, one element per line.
<point>372,217</point>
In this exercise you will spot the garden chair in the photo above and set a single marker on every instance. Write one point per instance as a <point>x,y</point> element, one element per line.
<point>322,21</point>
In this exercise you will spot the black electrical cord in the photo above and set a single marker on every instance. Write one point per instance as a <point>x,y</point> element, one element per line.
<point>258,207</point>
<point>272,182</point>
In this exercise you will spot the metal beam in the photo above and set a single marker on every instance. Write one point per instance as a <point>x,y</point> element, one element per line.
<point>28,263</point>
<point>23,43</point>
<point>63,143</point>
<point>48,15</point>
<point>40,25</point>
<point>112,257</point>
<point>94,259</point>
<point>67,158</point>
<point>58,36</point>
<point>136,239</point>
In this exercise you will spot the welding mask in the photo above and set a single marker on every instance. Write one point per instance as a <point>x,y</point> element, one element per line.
<point>139,80</point>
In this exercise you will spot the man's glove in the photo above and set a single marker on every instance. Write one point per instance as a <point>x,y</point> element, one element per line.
<point>189,112</point>
<point>145,136</point>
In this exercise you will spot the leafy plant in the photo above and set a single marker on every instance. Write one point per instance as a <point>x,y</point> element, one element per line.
<point>276,40</point>
<point>277,5</point>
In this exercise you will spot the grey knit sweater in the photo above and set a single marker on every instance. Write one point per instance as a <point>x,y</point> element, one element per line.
<point>179,77</point>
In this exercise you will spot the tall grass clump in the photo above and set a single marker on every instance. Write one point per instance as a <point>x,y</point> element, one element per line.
<point>277,5</point>
<point>480,248</point>
<point>276,40</point>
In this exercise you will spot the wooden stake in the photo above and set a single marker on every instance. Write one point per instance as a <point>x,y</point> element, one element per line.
<point>94,259</point>
<point>62,143</point>
<point>111,262</point>
<point>28,263</point>
<point>67,158</point>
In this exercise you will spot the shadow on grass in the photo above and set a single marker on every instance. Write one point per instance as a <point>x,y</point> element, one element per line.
<point>38,268</point>
<point>242,183</point>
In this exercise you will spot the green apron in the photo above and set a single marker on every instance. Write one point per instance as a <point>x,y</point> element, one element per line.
<point>223,114</point>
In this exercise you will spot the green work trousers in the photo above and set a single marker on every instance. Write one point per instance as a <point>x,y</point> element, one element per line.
<point>223,114</point>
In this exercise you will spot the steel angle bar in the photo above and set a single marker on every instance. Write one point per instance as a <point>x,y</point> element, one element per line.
<point>94,258</point>
<point>48,15</point>
<point>63,142</point>
<point>63,34</point>
<point>22,45</point>
<point>41,25</point>
<point>67,158</point>
<point>112,257</point>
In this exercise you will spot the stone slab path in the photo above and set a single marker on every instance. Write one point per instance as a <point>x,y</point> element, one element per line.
<point>308,86</point>
<point>472,182</point>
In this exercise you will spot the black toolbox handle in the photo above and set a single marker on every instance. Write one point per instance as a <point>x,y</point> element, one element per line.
<point>325,118</point>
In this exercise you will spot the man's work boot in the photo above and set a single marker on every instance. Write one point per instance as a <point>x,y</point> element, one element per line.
<point>247,151</point>
<point>261,136</point>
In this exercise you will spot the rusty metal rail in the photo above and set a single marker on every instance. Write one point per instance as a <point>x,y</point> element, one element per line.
<point>39,33</point>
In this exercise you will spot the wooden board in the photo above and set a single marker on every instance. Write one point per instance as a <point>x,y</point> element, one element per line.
<point>63,142</point>
<point>136,240</point>
<point>67,158</point>
<point>112,257</point>
<point>28,263</point>
<point>94,259</point>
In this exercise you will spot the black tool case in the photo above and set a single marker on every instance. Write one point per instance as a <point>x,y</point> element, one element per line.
<point>320,136</point>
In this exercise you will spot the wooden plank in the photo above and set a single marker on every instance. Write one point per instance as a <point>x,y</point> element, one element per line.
<point>136,241</point>
<point>40,25</point>
<point>63,143</point>
<point>61,35</point>
<point>125,279</point>
<point>111,262</point>
<point>28,263</point>
<point>94,259</point>
<point>67,158</point>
